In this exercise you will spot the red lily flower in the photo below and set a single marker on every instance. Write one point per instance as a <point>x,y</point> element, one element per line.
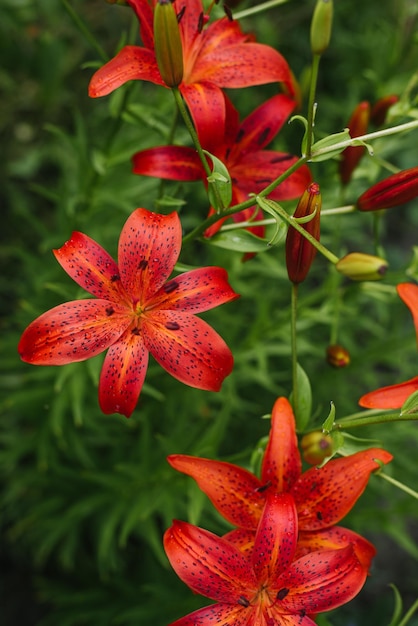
<point>267,586</point>
<point>241,149</point>
<point>217,56</point>
<point>135,312</point>
<point>408,292</point>
<point>323,496</point>
<point>390,397</point>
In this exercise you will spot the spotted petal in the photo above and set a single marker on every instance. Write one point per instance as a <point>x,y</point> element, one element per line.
<point>169,162</point>
<point>208,564</point>
<point>409,294</point>
<point>335,538</point>
<point>72,332</point>
<point>256,170</point>
<point>145,17</point>
<point>320,581</point>
<point>149,247</point>
<point>91,267</point>
<point>188,348</point>
<point>281,463</point>
<point>123,375</point>
<point>196,291</point>
<point>131,63</point>
<point>221,615</point>
<point>325,495</point>
<point>276,538</point>
<point>206,104</point>
<point>390,397</point>
<point>235,492</point>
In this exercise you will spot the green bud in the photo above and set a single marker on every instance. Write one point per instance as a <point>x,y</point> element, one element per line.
<point>321,26</point>
<point>359,266</point>
<point>168,46</point>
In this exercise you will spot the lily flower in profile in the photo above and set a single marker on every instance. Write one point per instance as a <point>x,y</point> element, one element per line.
<point>267,585</point>
<point>323,496</point>
<point>135,311</point>
<point>215,56</point>
<point>242,150</point>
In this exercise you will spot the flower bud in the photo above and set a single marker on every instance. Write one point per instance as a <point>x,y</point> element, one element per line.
<point>380,109</point>
<point>321,26</point>
<point>357,125</point>
<point>359,266</point>
<point>168,46</point>
<point>392,191</point>
<point>316,447</point>
<point>299,251</point>
<point>337,356</point>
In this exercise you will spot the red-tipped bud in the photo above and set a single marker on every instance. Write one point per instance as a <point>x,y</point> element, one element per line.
<point>299,251</point>
<point>359,266</point>
<point>392,191</point>
<point>337,356</point>
<point>168,46</point>
<point>380,109</point>
<point>357,125</point>
<point>316,447</point>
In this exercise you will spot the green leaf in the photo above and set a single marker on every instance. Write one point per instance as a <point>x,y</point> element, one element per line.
<point>410,406</point>
<point>220,186</point>
<point>328,142</point>
<point>329,422</point>
<point>304,122</point>
<point>239,241</point>
<point>397,609</point>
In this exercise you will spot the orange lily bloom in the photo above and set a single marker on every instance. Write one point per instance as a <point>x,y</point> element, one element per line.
<point>323,496</point>
<point>267,585</point>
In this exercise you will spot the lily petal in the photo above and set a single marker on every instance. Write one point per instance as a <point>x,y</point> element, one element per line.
<point>123,374</point>
<point>197,291</point>
<point>335,538</point>
<point>235,492</point>
<point>262,125</point>
<point>256,170</point>
<point>207,563</point>
<point>390,397</point>
<point>321,581</point>
<point>219,614</point>
<point>241,539</point>
<point>145,17</point>
<point>131,63</point>
<point>409,294</point>
<point>91,267</point>
<point>325,495</point>
<point>206,104</point>
<point>188,348</point>
<point>149,246</point>
<point>169,162</point>
<point>276,538</point>
<point>282,465</point>
<point>72,332</point>
<point>243,65</point>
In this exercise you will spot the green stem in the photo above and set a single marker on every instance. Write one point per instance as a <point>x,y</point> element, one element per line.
<point>312,104</point>
<point>258,9</point>
<point>400,486</point>
<point>381,418</point>
<point>369,136</point>
<point>293,336</point>
<point>85,31</point>
<point>409,614</point>
<point>189,125</point>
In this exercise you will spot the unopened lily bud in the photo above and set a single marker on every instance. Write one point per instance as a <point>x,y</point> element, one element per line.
<point>337,356</point>
<point>359,266</point>
<point>357,125</point>
<point>380,109</point>
<point>299,251</point>
<point>168,46</point>
<point>392,191</point>
<point>321,26</point>
<point>316,447</point>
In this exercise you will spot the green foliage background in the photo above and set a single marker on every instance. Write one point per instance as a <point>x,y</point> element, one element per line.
<point>84,497</point>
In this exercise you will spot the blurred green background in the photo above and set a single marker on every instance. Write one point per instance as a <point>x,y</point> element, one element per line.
<point>85,498</point>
